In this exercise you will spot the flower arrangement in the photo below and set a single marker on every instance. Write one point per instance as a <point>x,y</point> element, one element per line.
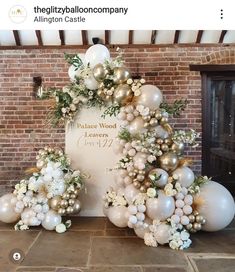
<point>49,192</point>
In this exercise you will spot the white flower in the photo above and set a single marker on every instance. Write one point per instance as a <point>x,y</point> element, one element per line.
<point>75,100</point>
<point>73,107</point>
<point>24,227</point>
<point>137,92</point>
<point>149,239</point>
<point>63,110</point>
<point>60,228</point>
<point>175,177</point>
<point>151,159</point>
<point>151,192</point>
<point>142,80</point>
<point>109,92</point>
<point>173,244</point>
<point>184,235</point>
<point>129,81</point>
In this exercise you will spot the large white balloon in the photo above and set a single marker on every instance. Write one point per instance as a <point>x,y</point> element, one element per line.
<point>130,192</point>
<point>7,209</point>
<point>216,204</point>
<point>97,53</point>
<point>160,208</point>
<point>51,220</point>
<point>162,181</point>
<point>185,176</point>
<point>118,216</point>
<point>150,97</point>
<point>136,126</point>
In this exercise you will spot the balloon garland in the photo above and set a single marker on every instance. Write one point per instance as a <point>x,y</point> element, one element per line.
<point>48,193</point>
<point>156,192</point>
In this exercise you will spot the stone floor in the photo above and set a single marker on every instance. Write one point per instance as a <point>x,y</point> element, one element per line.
<point>95,245</point>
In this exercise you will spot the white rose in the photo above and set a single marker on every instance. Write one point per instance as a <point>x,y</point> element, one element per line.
<point>129,81</point>
<point>63,110</point>
<point>60,228</point>
<point>73,107</point>
<point>184,235</point>
<point>151,192</point>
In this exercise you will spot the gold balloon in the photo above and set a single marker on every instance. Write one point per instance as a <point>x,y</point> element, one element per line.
<point>168,141</point>
<point>199,218</point>
<point>71,202</point>
<point>120,75</point>
<point>189,226</point>
<point>65,196</point>
<point>73,196</point>
<point>54,203</point>
<point>69,210</point>
<point>61,211</point>
<point>99,72</point>
<point>64,203</point>
<point>164,147</point>
<point>168,161</point>
<point>123,94</point>
<point>76,192</point>
<point>178,148</point>
<point>191,218</point>
<point>197,226</point>
<point>77,206</point>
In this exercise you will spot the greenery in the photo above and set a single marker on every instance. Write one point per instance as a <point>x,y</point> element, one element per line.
<point>176,108</point>
<point>198,182</point>
<point>112,110</point>
<point>73,60</point>
<point>124,134</point>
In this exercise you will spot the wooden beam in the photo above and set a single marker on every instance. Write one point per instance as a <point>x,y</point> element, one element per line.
<point>177,34</point>
<point>17,37</point>
<point>84,37</point>
<point>39,37</point>
<point>130,39</point>
<point>62,38</point>
<point>107,36</point>
<point>199,36</point>
<point>223,33</point>
<point>153,36</point>
<point>171,45</point>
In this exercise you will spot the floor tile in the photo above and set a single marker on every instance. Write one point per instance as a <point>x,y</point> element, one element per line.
<point>35,269</point>
<point>52,249</point>
<point>164,269</point>
<point>88,223</point>
<point>215,264</point>
<point>213,242</point>
<point>102,269</point>
<point>10,240</point>
<point>131,251</point>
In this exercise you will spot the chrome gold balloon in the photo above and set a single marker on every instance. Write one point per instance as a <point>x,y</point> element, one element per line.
<point>123,94</point>
<point>99,72</point>
<point>54,203</point>
<point>120,75</point>
<point>169,161</point>
<point>77,206</point>
<point>178,148</point>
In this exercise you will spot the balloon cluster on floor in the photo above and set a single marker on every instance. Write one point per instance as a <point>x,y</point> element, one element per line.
<point>156,192</point>
<point>49,192</point>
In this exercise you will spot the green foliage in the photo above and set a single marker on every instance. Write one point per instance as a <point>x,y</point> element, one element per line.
<point>176,108</point>
<point>112,110</point>
<point>124,134</point>
<point>73,60</point>
<point>198,182</point>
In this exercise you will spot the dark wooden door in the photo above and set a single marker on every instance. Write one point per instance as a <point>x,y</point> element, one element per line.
<point>218,145</point>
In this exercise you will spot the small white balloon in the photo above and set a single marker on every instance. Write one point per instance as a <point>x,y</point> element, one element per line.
<point>140,231</point>
<point>187,209</point>
<point>141,208</point>
<point>184,220</point>
<point>133,219</point>
<point>163,234</point>
<point>132,209</point>
<point>51,220</point>
<point>117,215</point>
<point>185,176</point>
<point>91,83</point>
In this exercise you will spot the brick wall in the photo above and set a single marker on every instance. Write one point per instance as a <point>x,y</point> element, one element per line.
<point>23,129</point>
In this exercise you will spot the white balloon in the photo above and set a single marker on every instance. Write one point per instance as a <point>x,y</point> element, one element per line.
<point>26,215</point>
<point>216,205</point>
<point>105,211</point>
<point>162,181</point>
<point>140,231</point>
<point>137,126</point>
<point>163,234</point>
<point>51,220</point>
<point>160,208</point>
<point>185,176</point>
<point>118,216</point>
<point>150,97</point>
<point>130,193</point>
<point>91,83</point>
<point>7,209</point>
<point>96,54</point>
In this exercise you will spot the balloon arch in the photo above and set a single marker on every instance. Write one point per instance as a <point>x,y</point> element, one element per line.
<point>156,192</point>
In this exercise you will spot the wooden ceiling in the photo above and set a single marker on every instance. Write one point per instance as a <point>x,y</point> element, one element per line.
<point>82,38</point>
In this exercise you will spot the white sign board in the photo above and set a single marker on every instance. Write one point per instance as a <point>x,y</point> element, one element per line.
<point>89,144</point>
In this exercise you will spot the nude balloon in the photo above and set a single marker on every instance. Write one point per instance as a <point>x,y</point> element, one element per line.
<point>51,220</point>
<point>216,205</point>
<point>185,176</point>
<point>7,212</point>
<point>118,216</point>
<point>160,208</point>
<point>150,97</point>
